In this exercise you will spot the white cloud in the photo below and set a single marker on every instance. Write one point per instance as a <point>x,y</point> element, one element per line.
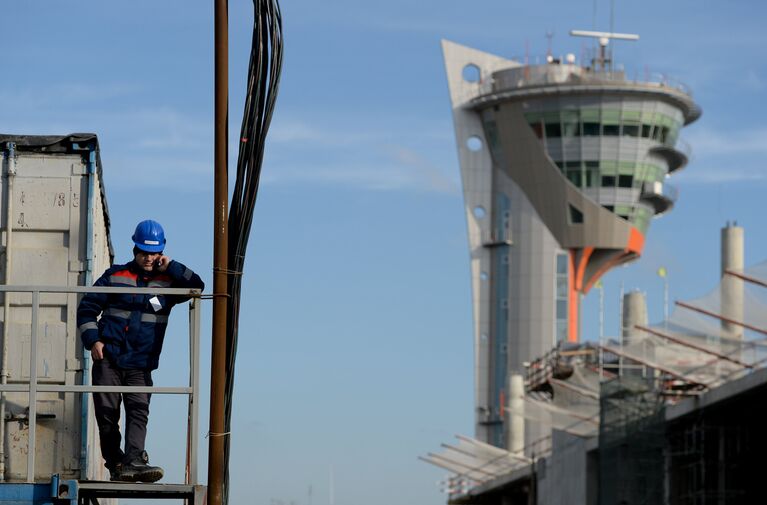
<point>721,157</point>
<point>58,95</point>
<point>713,143</point>
<point>168,129</point>
<point>407,171</point>
<point>723,174</point>
<point>303,133</point>
<point>367,159</point>
<point>180,173</point>
<point>426,171</point>
<point>752,81</point>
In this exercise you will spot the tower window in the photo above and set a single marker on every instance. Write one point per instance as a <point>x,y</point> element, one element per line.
<point>590,129</point>
<point>576,216</point>
<point>575,177</point>
<point>663,134</point>
<point>608,181</point>
<point>611,130</point>
<point>553,130</point>
<point>646,131</point>
<point>572,129</point>
<point>631,130</point>
<point>625,181</point>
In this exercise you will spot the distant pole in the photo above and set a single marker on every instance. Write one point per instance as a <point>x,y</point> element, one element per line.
<point>601,287</point>
<point>220,251</point>
<point>663,274</point>
<point>621,312</point>
<point>601,310</point>
<point>620,358</point>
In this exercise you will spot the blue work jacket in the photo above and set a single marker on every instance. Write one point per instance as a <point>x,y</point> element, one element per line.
<point>131,327</point>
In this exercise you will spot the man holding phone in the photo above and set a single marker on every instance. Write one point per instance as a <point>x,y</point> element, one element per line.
<point>125,344</point>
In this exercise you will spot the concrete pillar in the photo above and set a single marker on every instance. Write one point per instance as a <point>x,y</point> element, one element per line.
<point>634,313</point>
<point>731,289</point>
<point>515,442</point>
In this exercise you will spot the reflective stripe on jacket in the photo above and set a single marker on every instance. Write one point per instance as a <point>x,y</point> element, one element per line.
<point>131,328</point>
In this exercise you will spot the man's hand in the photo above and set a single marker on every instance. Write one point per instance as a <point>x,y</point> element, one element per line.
<point>162,263</point>
<point>97,351</point>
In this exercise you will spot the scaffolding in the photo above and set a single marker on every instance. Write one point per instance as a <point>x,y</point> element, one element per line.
<point>708,464</point>
<point>631,443</point>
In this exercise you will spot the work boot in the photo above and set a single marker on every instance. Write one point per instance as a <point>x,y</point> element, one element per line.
<point>115,472</point>
<point>139,470</point>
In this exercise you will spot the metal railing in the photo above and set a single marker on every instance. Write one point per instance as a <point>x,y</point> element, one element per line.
<point>541,75</point>
<point>659,189</point>
<point>33,387</point>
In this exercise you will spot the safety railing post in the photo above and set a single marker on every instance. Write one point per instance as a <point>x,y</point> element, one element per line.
<point>194,384</point>
<point>32,417</point>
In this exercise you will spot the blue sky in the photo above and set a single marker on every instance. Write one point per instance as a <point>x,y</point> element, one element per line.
<point>356,350</point>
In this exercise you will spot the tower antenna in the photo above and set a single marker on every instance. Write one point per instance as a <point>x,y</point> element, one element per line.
<point>605,61</point>
<point>549,37</point>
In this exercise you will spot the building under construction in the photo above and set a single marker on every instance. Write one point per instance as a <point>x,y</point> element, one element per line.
<point>563,166</point>
<point>667,413</point>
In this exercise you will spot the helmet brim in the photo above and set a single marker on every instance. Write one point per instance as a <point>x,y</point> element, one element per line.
<point>150,248</point>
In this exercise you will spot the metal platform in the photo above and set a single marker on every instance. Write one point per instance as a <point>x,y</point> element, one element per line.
<point>89,492</point>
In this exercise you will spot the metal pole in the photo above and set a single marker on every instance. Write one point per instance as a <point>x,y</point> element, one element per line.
<point>692,345</point>
<point>746,278</point>
<point>10,176</point>
<point>601,329</point>
<point>194,402</point>
<point>220,264</point>
<point>747,326</point>
<point>89,265</point>
<point>665,302</point>
<point>32,441</point>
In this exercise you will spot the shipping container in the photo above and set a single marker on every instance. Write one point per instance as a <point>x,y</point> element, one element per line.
<point>55,232</point>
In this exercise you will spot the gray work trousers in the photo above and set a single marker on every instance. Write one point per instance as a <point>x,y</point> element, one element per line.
<point>107,406</point>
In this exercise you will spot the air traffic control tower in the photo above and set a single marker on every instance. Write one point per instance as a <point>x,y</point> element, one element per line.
<point>563,166</point>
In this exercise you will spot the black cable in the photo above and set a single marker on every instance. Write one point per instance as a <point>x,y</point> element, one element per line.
<point>262,87</point>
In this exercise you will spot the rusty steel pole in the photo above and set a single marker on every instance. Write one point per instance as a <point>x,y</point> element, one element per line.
<point>220,263</point>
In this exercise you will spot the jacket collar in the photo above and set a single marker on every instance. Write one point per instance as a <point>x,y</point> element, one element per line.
<point>133,267</point>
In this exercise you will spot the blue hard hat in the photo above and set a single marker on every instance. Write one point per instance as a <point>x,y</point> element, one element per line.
<point>149,236</point>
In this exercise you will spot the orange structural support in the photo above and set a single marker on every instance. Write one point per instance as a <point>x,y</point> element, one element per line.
<point>581,270</point>
<point>633,248</point>
<point>573,309</point>
<point>636,241</point>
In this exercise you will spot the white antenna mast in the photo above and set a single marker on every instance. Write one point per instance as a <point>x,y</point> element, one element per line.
<point>549,36</point>
<point>604,39</point>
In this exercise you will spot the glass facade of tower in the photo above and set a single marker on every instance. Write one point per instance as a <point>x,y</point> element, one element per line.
<point>562,297</point>
<point>606,151</point>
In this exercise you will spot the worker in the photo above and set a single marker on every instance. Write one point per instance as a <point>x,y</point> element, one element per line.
<point>125,344</point>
